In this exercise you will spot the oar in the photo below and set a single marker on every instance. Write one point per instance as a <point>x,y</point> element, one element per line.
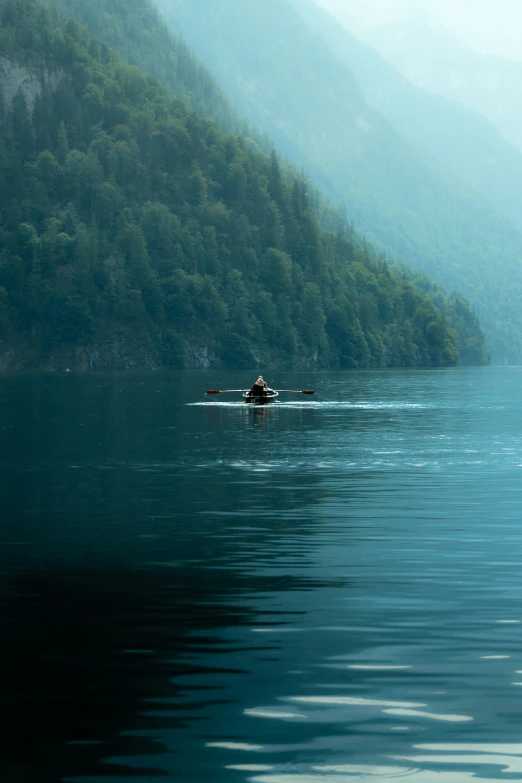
<point>295,391</point>
<point>282,391</point>
<point>225,391</point>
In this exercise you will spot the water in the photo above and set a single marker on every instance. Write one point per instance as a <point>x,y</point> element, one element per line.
<point>324,590</point>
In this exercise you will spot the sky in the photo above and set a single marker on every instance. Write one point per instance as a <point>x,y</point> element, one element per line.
<point>489,26</point>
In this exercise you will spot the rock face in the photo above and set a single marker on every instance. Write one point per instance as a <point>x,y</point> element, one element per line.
<point>114,352</point>
<point>118,352</point>
<point>15,79</point>
<point>200,356</point>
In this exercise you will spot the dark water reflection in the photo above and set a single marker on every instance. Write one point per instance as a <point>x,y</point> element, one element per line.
<point>326,589</point>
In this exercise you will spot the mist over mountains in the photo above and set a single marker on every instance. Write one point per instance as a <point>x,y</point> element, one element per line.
<point>433,57</point>
<point>469,145</point>
<point>427,202</point>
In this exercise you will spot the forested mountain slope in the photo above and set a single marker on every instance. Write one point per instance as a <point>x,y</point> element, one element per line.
<point>281,74</point>
<point>463,140</point>
<point>133,233</point>
<point>135,29</point>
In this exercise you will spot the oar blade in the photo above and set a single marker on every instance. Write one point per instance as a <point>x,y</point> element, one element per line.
<point>308,391</point>
<point>214,391</point>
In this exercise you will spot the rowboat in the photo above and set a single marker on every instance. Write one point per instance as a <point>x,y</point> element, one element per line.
<point>270,396</point>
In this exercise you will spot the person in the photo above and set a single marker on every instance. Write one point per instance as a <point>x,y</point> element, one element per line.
<point>259,388</point>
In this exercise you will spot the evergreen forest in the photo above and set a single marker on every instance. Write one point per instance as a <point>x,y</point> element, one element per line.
<point>135,232</point>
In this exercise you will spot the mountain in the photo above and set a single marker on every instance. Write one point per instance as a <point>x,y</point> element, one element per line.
<point>134,233</point>
<point>134,28</point>
<point>462,140</point>
<point>432,57</point>
<point>282,76</point>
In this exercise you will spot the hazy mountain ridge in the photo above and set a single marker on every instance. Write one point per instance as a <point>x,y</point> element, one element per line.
<point>133,233</point>
<point>463,140</point>
<point>434,59</point>
<point>405,202</point>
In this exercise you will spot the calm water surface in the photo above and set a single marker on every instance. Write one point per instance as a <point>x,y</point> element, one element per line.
<point>325,590</point>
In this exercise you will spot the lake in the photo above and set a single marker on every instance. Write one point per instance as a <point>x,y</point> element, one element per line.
<point>324,590</point>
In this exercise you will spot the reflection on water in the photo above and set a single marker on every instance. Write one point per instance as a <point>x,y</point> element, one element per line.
<point>315,590</point>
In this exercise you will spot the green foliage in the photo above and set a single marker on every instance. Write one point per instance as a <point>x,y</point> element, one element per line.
<point>135,30</point>
<point>458,312</point>
<point>173,352</point>
<point>128,211</point>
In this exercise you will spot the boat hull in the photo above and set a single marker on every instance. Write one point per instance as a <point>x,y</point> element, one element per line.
<point>260,400</point>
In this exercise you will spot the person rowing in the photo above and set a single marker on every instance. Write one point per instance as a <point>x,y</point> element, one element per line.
<point>259,388</point>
